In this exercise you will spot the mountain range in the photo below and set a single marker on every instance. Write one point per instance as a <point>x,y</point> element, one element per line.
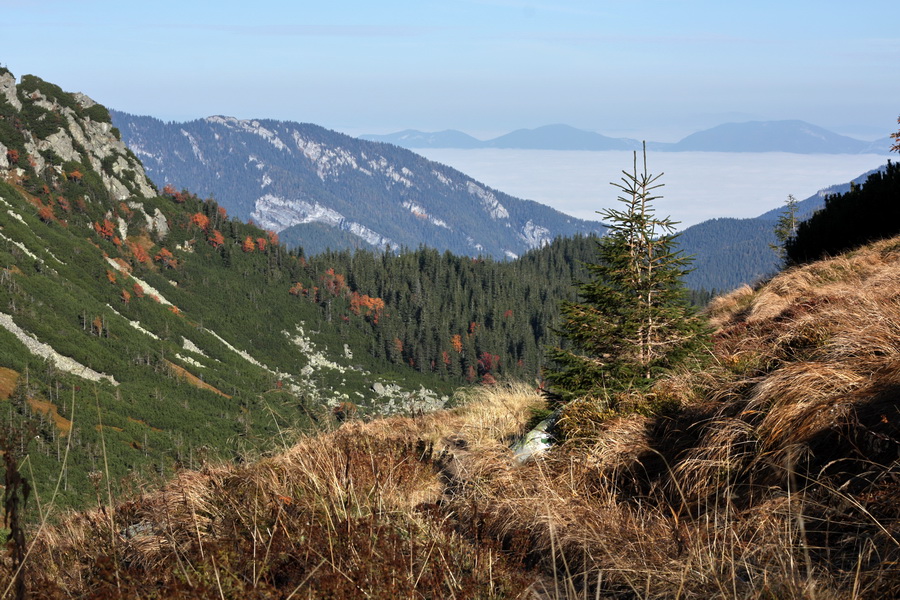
<point>754,136</point>
<point>321,188</point>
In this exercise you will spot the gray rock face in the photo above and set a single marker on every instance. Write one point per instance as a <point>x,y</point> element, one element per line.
<point>8,90</point>
<point>122,175</point>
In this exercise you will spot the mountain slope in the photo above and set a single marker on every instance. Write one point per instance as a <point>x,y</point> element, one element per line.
<point>770,474</point>
<point>145,331</point>
<point>283,174</point>
<point>732,252</point>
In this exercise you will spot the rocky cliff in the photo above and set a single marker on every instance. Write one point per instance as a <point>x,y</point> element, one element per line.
<point>50,128</point>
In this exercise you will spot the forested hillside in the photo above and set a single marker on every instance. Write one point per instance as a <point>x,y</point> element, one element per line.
<point>465,319</point>
<point>864,213</point>
<point>143,331</point>
<point>287,175</point>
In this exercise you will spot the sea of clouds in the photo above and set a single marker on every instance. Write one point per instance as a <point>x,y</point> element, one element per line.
<point>698,185</point>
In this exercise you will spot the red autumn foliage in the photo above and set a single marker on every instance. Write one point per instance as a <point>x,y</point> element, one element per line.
<point>106,229</point>
<point>273,238</point>
<point>166,259</point>
<point>200,220</point>
<point>138,290</point>
<point>261,244</point>
<point>116,240</point>
<point>367,306</point>
<point>45,213</point>
<point>488,379</point>
<point>169,190</point>
<point>248,246</point>
<point>12,156</point>
<point>456,342</point>
<point>126,297</point>
<point>445,356</point>
<point>138,252</point>
<point>111,276</point>
<point>75,175</point>
<point>333,282</point>
<point>472,327</point>
<point>216,238</point>
<point>222,212</point>
<point>296,289</point>
<point>487,362</point>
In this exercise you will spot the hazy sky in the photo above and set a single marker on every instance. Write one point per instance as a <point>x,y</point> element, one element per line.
<point>652,69</point>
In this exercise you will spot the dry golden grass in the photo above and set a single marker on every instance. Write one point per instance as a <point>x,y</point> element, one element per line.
<point>8,379</point>
<point>192,379</point>
<point>777,478</point>
<point>351,513</point>
<point>63,425</point>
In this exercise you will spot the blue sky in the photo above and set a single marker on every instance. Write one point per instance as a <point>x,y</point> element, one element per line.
<point>642,68</point>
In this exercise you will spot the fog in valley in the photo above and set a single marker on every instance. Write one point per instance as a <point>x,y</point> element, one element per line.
<point>698,185</point>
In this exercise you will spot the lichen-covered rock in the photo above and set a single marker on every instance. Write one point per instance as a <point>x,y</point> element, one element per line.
<point>82,139</point>
<point>8,90</point>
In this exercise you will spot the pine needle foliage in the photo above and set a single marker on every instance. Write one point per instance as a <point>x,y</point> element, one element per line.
<point>633,321</point>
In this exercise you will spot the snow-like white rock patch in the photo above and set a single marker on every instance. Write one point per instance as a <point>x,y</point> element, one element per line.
<point>135,324</point>
<point>189,360</point>
<point>45,351</point>
<point>329,161</point>
<point>148,289</point>
<point>241,353</point>
<point>422,213</point>
<point>317,360</point>
<point>195,147</point>
<point>535,236</point>
<point>442,178</point>
<point>14,214</point>
<point>21,247</point>
<point>254,127</point>
<point>277,213</point>
<point>192,347</point>
<point>489,201</point>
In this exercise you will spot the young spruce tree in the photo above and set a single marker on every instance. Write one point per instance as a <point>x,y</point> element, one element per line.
<point>633,321</point>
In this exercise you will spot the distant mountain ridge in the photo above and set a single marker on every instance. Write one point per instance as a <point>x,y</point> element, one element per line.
<point>301,180</point>
<point>730,252</point>
<point>792,136</point>
<point>287,176</point>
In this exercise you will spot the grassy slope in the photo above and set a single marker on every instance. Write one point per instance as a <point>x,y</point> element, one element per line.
<point>777,479</point>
